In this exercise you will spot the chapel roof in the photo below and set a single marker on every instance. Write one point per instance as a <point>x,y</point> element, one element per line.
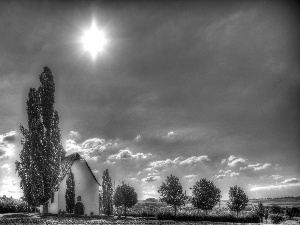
<point>67,163</point>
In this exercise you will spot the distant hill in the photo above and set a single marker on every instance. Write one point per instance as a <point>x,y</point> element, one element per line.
<point>283,202</point>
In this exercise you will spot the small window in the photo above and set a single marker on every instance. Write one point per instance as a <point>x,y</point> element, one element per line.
<point>52,198</point>
<point>79,198</point>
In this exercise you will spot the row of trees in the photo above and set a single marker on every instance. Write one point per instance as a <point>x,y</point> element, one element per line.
<point>124,195</point>
<point>205,195</point>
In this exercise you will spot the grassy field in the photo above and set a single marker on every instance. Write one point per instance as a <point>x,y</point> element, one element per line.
<point>282,202</point>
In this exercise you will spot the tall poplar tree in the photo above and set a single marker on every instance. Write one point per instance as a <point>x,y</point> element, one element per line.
<point>107,193</point>
<point>70,193</point>
<point>42,150</point>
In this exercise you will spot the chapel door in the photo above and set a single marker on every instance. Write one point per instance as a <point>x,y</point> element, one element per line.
<point>79,209</point>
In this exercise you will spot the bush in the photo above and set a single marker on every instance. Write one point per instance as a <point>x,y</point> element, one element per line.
<point>252,218</point>
<point>10,205</point>
<point>293,212</point>
<point>276,209</point>
<point>276,218</point>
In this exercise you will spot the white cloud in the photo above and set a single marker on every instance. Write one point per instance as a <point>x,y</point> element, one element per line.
<point>138,138</point>
<point>256,167</point>
<point>7,146</point>
<point>171,134</point>
<point>72,146</point>
<point>161,164</point>
<point>233,174</point>
<point>233,161</point>
<point>190,177</point>
<point>150,178</point>
<point>220,177</point>
<point>195,159</point>
<point>276,177</point>
<point>225,171</point>
<point>223,161</point>
<point>6,167</point>
<point>290,181</point>
<point>127,154</point>
<point>231,158</point>
<point>149,194</point>
<point>74,135</point>
<point>270,187</point>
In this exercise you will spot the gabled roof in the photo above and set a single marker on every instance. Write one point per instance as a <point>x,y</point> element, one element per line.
<point>67,163</point>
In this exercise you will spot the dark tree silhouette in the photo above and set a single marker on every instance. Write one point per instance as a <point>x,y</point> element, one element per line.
<point>125,196</point>
<point>171,192</point>
<point>205,195</point>
<point>107,193</point>
<point>42,150</point>
<point>237,199</point>
<point>70,193</point>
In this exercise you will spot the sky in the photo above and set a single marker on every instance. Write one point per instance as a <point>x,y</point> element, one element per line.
<point>197,89</point>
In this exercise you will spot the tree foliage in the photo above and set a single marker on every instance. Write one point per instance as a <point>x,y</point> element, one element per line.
<point>70,193</point>
<point>107,193</point>
<point>260,211</point>
<point>42,150</point>
<point>205,195</point>
<point>171,192</point>
<point>237,199</point>
<point>276,209</point>
<point>125,196</point>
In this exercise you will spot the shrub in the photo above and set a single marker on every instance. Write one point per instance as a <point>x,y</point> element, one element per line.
<point>293,212</point>
<point>276,218</point>
<point>276,209</point>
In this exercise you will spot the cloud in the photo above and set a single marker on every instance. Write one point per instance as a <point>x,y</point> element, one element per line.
<point>271,187</point>
<point>149,194</point>
<point>290,181</point>
<point>93,148</point>
<point>233,174</point>
<point>220,177</point>
<point>126,154</point>
<point>162,164</point>
<point>256,167</point>
<point>225,173</point>
<point>6,167</point>
<point>150,178</point>
<point>189,177</point>
<point>234,161</point>
<point>195,159</point>
<point>74,135</point>
<point>138,138</point>
<point>7,146</point>
<point>276,177</point>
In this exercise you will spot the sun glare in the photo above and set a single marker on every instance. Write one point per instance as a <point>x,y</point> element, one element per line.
<point>93,40</point>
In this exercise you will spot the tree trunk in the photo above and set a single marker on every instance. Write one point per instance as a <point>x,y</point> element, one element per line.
<point>125,211</point>
<point>206,211</point>
<point>175,210</point>
<point>237,213</point>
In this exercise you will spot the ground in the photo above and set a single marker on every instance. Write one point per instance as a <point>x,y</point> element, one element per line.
<point>33,218</point>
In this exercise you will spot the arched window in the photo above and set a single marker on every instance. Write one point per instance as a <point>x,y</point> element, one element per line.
<point>78,198</point>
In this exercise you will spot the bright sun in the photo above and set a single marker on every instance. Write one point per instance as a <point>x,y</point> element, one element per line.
<point>93,40</point>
